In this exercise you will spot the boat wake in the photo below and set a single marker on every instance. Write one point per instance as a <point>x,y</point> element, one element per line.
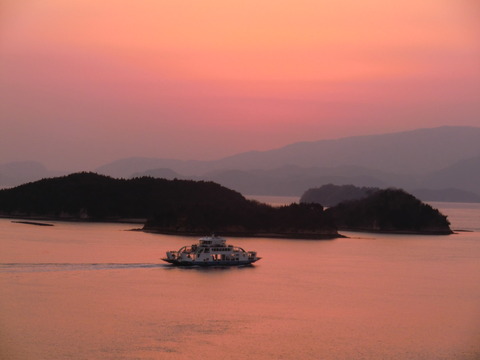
<point>48,267</point>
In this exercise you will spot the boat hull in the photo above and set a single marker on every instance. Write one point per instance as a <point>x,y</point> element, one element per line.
<point>209,263</point>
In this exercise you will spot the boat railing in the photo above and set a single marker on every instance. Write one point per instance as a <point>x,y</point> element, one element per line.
<point>236,248</point>
<point>172,254</point>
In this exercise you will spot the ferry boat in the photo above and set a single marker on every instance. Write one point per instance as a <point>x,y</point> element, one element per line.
<point>211,251</point>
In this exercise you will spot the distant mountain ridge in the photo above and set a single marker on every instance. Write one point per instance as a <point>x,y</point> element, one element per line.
<point>410,152</point>
<point>465,174</point>
<point>447,150</point>
<point>20,172</point>
<point>444,159</point>
<point>418,151</point>
<point>293,180</point>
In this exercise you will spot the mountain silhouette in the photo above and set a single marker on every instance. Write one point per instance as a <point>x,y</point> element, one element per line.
<point>429,159</point>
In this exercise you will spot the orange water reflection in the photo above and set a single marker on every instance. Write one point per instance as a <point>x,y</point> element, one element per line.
<point>93,291</point>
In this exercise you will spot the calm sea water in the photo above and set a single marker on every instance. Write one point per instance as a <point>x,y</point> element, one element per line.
<point>96,291</point>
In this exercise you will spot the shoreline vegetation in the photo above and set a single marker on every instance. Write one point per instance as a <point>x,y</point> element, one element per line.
<point>170,206</point>
<point>379,210</point>
<point>32,223</point>
<point>196,208</point>
<point>296,235</point>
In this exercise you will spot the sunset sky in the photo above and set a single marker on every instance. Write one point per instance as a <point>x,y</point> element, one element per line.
<point>85,82</point>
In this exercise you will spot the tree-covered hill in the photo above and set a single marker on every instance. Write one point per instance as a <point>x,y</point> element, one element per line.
<point>249,218</point>
<point>390,210</point>
<point>97,197</point>
<point>331,195</point>
<point>173,206</point>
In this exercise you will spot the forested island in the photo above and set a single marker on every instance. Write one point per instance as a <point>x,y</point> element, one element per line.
<point>331,195</point>
<point>392,211</point>
<point>190,207</point>
<point>166,206</point>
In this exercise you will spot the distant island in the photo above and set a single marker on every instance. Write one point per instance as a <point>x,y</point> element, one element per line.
<point>389,211</point>
<point>331,195</point>
<point>165,206</point>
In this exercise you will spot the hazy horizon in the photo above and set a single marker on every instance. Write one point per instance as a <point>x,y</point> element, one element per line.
<point>94,166</point>
<point>84,83</point>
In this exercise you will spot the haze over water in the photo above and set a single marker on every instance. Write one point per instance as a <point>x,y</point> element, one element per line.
<point>95,291</point>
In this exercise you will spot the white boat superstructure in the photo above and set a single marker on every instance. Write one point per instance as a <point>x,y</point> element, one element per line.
<point>211,250</point>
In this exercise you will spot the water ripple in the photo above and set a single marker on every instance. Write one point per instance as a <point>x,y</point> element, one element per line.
<point>47,267</point>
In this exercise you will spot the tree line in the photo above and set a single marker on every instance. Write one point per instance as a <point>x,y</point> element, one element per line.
<point>177,206</point>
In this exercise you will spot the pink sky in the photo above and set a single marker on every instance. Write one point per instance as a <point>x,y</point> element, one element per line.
<point>86,82</point>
